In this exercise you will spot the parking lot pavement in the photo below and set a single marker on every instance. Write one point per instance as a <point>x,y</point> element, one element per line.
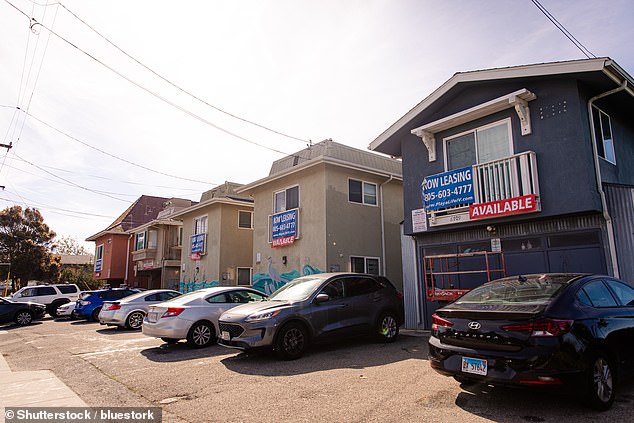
<point>357,381</point>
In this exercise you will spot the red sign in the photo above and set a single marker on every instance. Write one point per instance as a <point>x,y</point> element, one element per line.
<point>516,205</point>
<point>195,256</point>
<point>446,294</point>
<point>283,241</point>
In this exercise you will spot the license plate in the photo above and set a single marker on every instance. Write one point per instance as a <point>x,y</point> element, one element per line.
<point>152,317</point>
<point>474,366</point>
<point>225,336</point>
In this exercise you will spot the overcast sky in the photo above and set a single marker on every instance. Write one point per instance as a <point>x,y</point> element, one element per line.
<point>312,70</point>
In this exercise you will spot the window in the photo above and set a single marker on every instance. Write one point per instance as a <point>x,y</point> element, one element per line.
<point>334,289</point>
<point>360,286</point>
<point>67,289</point>
<point>200,225</point>
<point>286,200</point>
<point>364,265</point>
<point>480,145</point>
<point>361,192</point>
<point>30,292</point>
<point>140,241</point>
<point>244,297</point>
<point>244,276</point>
<point>218,298</point>
<point>599,294</point>
<point>46,290</point>
<point>179,236</point>
<point>603,135</point>
<point>99,252</point>
<point>623,292</point>
<point>245,219</point>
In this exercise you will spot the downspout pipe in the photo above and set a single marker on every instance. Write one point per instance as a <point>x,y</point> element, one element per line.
<point>597,168</point>
<point>127,262</point>
<point>383,264</point>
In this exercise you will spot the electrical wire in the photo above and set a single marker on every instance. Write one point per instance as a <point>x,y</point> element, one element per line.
<point>178,87</point>
<point>562,28</point>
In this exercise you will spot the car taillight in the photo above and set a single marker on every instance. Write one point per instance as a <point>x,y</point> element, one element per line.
<point>172,311</point>
<point>438,322</point>
<point>541,327</point>
<point>113,306</point>
<point>84,303</point>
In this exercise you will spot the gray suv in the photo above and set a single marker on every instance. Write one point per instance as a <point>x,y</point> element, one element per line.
<point>315,308</point>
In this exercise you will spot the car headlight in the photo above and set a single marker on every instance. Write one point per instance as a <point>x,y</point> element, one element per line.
<point>262,316</point>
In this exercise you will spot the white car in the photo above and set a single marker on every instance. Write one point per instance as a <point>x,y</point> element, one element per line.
<point>52,296</point>
<point>130,311</point>
<point>194,316</point>
<point>66,310</point>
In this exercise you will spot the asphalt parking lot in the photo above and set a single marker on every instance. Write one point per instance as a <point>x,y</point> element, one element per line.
<point>357,381</point>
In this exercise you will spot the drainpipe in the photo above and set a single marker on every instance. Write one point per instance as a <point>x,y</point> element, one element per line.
<point>127,262</point>
<point>384,264</point>
<point>597,167</point>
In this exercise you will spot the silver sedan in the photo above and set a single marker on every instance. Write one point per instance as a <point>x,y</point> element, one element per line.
<point>194,316</point>
<point>130,311</point>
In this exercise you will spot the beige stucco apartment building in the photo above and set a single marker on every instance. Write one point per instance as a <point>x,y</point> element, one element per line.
<point>327,208</point>
<point>217,238</point>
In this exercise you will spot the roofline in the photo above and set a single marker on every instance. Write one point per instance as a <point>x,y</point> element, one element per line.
<point>211,202</point>
<point>104,232</point>
<point>541,69</point>
<point>151,223</point>
<point>314,162</point>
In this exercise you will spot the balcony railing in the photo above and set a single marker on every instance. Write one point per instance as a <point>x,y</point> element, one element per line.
<point>502,179</point>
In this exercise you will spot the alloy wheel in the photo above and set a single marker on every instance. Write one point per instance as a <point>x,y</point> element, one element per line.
<point>389,327</point>
<point>293,341</point>
<point>201,335</point>
<point>23,318</point>
<point>602,379</point>
<point>135,320</point>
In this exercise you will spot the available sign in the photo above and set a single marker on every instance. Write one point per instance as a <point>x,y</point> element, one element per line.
<point>98,263</point>
<point>284,228</point>
<point>516,205</point>
<point>448,189</point>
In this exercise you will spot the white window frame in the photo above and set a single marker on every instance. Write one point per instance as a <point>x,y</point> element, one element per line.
<point>599,137</point>
<point>299,198</point>
<point>195,226</point>
<point>363,184</point>
<point>365,263</point>
<point>475,131</point>
<point>245,211</point>
<point>99,252</point>
<point>250,275</point>
<point>136,240</point>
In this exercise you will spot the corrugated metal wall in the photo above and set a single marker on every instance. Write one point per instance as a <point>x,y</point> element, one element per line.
<point>621,207</point>
<point>411,288</point>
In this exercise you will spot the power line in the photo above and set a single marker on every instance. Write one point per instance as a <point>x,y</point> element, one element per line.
<point>562,28</point>
<point>178,87</point>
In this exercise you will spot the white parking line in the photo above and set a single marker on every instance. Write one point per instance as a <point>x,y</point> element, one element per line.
<point>92,354</point>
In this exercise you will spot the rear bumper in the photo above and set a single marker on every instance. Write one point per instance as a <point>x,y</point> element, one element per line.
<point>168,328</point>
<point>112,318</point>
<point>542,366</point>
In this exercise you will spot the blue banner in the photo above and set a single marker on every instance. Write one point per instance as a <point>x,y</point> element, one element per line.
<point>284,224</point>
<point>448,189</point>
<point>198,243</point>
<point>98,265</point>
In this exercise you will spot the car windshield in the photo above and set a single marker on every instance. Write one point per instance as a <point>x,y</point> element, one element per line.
<point>530,289</point>
<point>297,290</point>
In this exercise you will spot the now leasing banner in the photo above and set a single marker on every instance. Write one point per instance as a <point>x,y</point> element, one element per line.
<point>516,205</point>
<point>284,228</point>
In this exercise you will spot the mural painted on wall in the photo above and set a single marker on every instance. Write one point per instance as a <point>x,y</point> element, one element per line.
<point>273,280</point>
<point>185,287</point>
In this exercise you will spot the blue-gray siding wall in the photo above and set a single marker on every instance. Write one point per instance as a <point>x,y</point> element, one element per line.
<point>560,138</point>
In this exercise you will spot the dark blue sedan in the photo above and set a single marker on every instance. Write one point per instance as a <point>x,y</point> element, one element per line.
<point>20,313</point>
<point>90,302</point>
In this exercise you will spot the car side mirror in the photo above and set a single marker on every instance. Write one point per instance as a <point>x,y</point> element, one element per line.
<point>321,298</point>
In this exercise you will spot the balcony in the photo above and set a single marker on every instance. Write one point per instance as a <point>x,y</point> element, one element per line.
<point>500,187</point>
<point>145,254</point>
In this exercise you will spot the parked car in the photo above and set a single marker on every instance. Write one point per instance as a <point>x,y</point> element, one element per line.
<point>315,308</point>
<point>194,316</point>
<point>89,303</point>
<point>21,313</point>
<point>539,330</point>
<point>66,310</point>
<point>52,296</point>
<point>130,311</point>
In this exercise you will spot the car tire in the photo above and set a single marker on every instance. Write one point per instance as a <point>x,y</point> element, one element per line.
<point>95,314</point>
<point>23,318</point>
<point>52,309</point>
<point>291,341</point>
<point>170,341</point>
<point>387,327</point>
<point>201,335</point>
<point>600,382</point>
<point>134,320</point>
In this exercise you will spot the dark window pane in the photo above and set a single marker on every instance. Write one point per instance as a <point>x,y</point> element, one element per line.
<point>355,191</point>
<point>153,297</point>
<point>334,289</point>
<point>357,264</point>
<point>599,294</point>
<point>67,289</point>
<point>574,240</point>
<point>583,298</point>
<point>624,293</point>
<point>292,198</point>
<point>461,151</point>
<point>244,276</point>
<point>46,290</point>
<point>372,266</point>
<point>219,298</point>
<point>166,296</point>
<point>244,219</point>
<point>360,286</point>
<point>521,244</point>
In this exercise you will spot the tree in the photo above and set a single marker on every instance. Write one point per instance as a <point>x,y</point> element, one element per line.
<point>69,246</point>
<point>25,241</point>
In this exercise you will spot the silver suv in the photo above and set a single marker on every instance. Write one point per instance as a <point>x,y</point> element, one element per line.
<point>52,296</point>
<point>315,308</point>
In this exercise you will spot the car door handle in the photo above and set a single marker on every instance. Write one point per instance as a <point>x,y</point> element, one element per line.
<point>603,323</point>
<point>343,305</point>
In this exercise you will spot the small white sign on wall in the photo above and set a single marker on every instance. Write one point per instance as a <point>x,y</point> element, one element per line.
<point>419,220</point>
<point>496,245</point>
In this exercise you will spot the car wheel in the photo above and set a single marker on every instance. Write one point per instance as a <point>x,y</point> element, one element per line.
<point>95,314</point>
<point>53,308</point>
<point>134,320</point>
<point>201,335</point>
<point>291,342</point>
<point>601,382</point>
<point>170,341</point>
<point>23,318</point>
<point>387,327</point>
